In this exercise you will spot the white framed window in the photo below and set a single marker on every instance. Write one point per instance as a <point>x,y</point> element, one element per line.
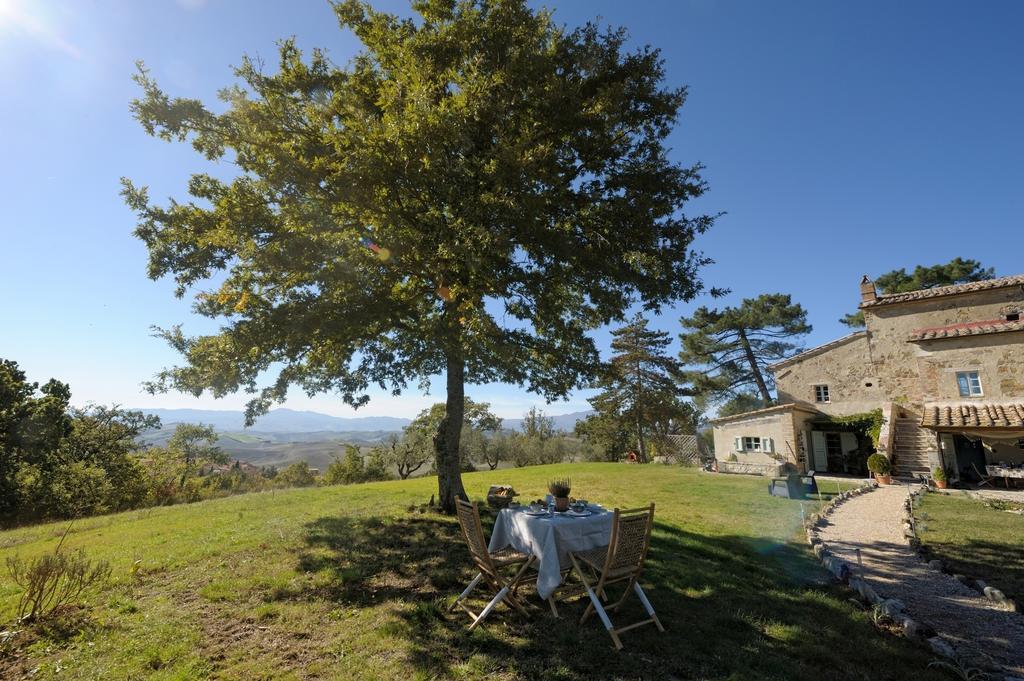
<point>821,393</point>
<point>969,383</point>
<point>748,444</point>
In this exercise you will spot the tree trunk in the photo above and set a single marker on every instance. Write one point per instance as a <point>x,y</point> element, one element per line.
<point>449,434</point>
<point>762,387</point>
<point>640,441</point>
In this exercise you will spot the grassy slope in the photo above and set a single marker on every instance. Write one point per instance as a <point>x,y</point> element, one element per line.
<point>975,540</point>
<point>345,582</point>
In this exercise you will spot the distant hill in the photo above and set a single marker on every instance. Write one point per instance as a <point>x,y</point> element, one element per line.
<point>279,421</point>
<point>285,435</point>
<point>283,420</point>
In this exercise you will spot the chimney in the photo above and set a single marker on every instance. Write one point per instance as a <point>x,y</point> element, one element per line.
<point>868,294</point>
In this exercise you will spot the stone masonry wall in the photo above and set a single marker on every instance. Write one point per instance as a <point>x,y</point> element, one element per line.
<point>914,373</point>
<point>847,370</point>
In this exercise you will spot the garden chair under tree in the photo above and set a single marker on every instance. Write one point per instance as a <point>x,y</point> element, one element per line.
<point>491,566</point>
<point>621,561</point>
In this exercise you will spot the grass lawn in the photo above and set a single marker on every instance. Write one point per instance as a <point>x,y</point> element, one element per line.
<point>975,540</point>
<point>348,583</point>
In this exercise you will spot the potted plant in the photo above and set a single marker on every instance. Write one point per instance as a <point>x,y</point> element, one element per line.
<point>939,476</point>
<point>879,465</point>
<point>560,489</point>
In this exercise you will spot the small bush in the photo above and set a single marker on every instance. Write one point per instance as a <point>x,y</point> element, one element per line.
<point>939,474</point>
<point>879,464</point>
<point>53,581</point>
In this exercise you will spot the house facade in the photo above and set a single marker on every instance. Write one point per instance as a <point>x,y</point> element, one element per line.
<point>944,365</point>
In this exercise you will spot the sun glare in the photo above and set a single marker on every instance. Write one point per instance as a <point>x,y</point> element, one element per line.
<point>15,16</point>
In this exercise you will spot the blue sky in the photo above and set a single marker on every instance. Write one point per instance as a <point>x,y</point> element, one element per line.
<point>841,138</point>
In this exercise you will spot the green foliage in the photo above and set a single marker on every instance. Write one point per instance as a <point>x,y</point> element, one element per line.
<point>353,468</point>
<point>868,423</point>
<point>939,474</point>
<point>740,404</point>
<point>420,434</point>
<point>471,194</point>
<point>536,424</point>
<point>639,388</point>
<point>879,463</point>
<point>606,437</point>
<point>956,271</point>
<point>60,462</point>
<point>531,450</point>
<point>346,470</point>
<point>727,351</point>
<point>297,474</point>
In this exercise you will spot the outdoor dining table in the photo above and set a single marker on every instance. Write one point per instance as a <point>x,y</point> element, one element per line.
<point>1004,472</point>
<point>551,537</point>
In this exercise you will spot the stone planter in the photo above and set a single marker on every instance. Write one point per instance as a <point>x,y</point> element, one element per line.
<point>883,479</point>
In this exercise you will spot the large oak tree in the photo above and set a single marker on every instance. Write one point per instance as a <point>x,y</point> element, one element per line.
<point>469,196</point>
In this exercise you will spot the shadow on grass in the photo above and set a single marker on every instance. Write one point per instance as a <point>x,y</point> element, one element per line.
<point>733,608</point>
<point>1000,564</point>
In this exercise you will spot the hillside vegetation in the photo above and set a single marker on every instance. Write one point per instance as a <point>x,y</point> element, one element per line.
<point>352,582</point>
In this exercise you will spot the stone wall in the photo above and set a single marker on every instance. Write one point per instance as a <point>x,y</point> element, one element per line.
<point>914,373</point>
<point>847,370</point>
<point>881,366</point>
<point>779,426</point>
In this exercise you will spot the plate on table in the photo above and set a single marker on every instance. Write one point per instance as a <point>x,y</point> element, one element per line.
<point>579,514</point>
<point>538,512</point>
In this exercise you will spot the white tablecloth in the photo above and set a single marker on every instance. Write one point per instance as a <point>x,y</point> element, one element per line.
<point>550,539</point>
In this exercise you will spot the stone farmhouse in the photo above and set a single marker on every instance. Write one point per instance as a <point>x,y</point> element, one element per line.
<point>944,365</point>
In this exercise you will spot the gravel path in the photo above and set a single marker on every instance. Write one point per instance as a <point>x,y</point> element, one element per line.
<point>873,523</point>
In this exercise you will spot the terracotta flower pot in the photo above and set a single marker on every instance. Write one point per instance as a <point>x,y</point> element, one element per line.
<point>941,484</point>
<point>883,479</point>
<point>561,503</point>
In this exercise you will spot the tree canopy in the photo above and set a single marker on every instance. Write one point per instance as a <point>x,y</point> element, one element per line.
<point>956,271</point>
<point>469,197</point>
<point>727,351</point>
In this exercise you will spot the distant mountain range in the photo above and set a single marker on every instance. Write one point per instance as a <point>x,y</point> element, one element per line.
<point>279,421</point>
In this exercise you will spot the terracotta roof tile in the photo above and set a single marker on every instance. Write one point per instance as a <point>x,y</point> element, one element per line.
<point>1004,415</point>
<point>938,291</point>
<point>967,329</point>
<point>789,406</point>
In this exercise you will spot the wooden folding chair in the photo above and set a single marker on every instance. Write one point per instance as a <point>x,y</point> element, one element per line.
<point>985,478</point>
<point>490,566</point>
<point>621,561</point>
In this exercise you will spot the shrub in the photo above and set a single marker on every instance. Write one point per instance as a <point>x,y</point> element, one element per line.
<point>297,474</point>
<point>376,466</point>
<point>879,464</point>
<point>345,471</point>
<point>53,581</point>
<point>939,474</point>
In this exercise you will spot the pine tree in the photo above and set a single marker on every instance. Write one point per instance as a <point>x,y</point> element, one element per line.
<point>956,271</point>
<point>640,388</point>
<point>727,351</point>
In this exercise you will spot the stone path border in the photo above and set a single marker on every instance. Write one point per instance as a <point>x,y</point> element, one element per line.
<point>893,608</point>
